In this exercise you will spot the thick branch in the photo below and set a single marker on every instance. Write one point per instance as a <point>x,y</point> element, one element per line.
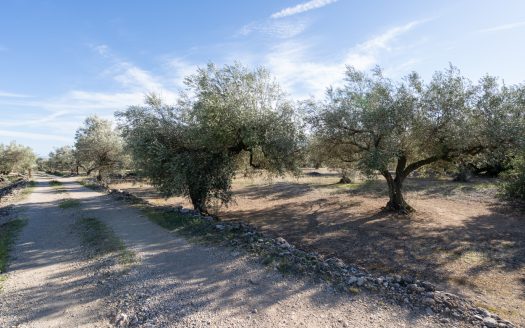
<point>416,165</point>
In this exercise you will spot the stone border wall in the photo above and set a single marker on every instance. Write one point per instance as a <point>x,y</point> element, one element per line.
<point>8,190</point>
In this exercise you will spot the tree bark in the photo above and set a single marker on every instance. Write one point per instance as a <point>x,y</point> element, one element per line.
<point>197,200</point>
<point>395,185</point>
<point>396,200</point>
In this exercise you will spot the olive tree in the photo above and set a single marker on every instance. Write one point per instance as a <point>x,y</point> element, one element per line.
<point>193,147</point>
<point>99,147</point>
<point>62,159</point>
<point>334,158</point>
<point>394,128</point>
<point>16,158</point>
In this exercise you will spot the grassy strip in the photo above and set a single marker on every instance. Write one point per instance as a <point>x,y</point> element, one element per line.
<point>8,233</point>
<point>193,228</point>
<point>101,240</point>
<point>69,203</point>
<point>28,189</point>
<point>90,184</point>
<point>198,230</point>
<point>55,183</point>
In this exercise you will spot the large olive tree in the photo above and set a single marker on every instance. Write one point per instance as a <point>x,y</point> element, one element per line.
<point>193,147</point>
<point>99,147</point>
<point>394,128</point>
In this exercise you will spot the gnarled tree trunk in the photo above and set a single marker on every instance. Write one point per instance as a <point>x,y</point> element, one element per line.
<point>395,184</point>
<point>396,200</point>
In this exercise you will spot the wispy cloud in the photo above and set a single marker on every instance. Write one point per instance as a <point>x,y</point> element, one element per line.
<point>30,121</point>
<point>366,54</point>
<point>126,73</point>
<point>179,69</point>
<point>304,76</point>
<point>134,77</point>
<point>283,28</point>
<point>12,95</point>
<point>272,28</point>
<point>133,80</point>
<point>63,114</point>
<point>101,49</point>
<point>504,27</point>
<point>301,8</point>
<point>33,136</point>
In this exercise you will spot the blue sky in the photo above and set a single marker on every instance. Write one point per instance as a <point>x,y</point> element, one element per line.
<point>61,61</point>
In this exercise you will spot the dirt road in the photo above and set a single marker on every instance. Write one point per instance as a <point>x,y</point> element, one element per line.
<point>173,283</point>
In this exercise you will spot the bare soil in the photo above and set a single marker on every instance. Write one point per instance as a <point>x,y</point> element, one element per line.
<point>172,283</point>
<point>462,236</point>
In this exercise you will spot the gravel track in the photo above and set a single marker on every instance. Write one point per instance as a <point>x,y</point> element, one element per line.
<point>173,284</point>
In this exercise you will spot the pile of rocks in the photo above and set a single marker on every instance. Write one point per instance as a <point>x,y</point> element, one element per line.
<point>283,256</point>
<point>404,290</point>
<point>126,196</point>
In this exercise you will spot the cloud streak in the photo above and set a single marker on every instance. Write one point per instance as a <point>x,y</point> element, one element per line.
<point>33,136</point>
<point>6,94</point>
<point>504,27</point>
<point>278,29</point>
<point>304,76</point>
<point>301,8</point>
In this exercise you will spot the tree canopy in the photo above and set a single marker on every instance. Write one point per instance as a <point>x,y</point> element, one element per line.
<point>16,158</point>
<point>394,128</point>
<point>99,147</point>
<point>62,159</point>
<point>193,147</point>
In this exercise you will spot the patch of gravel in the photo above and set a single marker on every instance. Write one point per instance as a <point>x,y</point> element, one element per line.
<point>49,284</point>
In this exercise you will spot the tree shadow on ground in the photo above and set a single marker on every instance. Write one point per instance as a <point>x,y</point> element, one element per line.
<point>423,187</point>
<point>461,257</point>
<point>168,279</point>
<point>388,243</point>
<point>279,190</point>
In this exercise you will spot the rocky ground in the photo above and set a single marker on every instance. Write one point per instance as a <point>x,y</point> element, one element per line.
<point>174,283</point>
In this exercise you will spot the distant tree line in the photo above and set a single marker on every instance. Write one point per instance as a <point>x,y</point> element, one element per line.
<point>231,118</point>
